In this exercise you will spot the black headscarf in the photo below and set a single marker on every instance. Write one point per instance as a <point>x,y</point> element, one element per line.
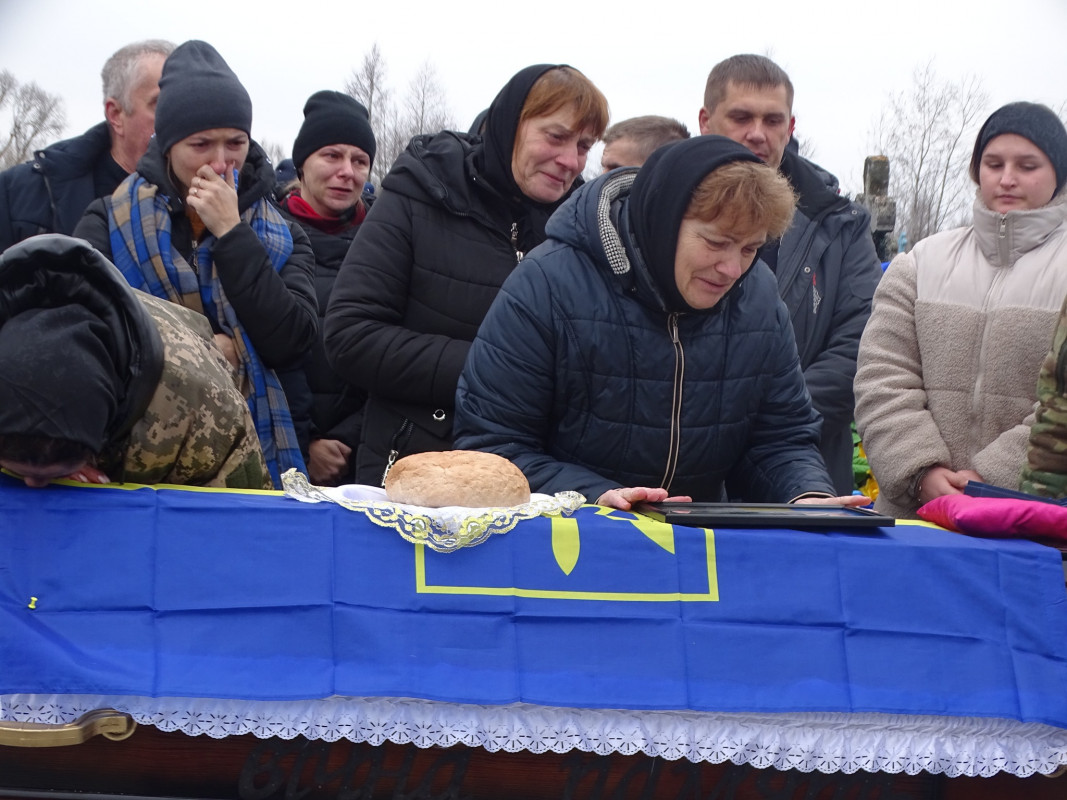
<point>661,195</point>
<point>500,128</point>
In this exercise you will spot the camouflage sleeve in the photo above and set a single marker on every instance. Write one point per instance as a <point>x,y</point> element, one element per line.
<point>197,430</point>
<point>1045,472</point>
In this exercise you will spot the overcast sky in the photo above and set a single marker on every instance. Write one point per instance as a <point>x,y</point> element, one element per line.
<point>650,57</point>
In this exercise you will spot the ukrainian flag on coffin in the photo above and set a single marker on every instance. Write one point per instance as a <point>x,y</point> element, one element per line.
<point>256,596</point>
<point>584,610</point>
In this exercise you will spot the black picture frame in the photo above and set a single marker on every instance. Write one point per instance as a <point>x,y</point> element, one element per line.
<point>764,515</point>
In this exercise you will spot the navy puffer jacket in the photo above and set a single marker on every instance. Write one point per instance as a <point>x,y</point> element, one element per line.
<point>577,373</point>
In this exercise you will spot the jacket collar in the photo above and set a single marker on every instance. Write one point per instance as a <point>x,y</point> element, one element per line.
<point>1005,238</point>
<point>75,156</point>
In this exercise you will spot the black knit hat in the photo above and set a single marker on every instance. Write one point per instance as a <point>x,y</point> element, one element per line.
<point>333,118</point>
<point>1032,121</point>
<point>197,92</point>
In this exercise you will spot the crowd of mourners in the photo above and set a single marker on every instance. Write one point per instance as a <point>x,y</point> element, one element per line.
<point>705,320</point>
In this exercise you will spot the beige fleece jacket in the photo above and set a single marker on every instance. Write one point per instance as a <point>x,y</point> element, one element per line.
<point>948,362</point>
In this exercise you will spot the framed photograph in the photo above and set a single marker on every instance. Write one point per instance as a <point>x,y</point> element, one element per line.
<point>764,515</point>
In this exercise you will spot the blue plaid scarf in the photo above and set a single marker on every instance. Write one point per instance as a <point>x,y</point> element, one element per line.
<point>140,225</point>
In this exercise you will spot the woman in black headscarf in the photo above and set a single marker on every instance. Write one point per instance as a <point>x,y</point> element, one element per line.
<point>639,355</point>
<point>458,212</point>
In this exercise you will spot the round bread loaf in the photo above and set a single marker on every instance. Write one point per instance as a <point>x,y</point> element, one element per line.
<point>456,478</point>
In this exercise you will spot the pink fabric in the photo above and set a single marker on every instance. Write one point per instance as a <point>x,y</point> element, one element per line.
<point>997,517</point>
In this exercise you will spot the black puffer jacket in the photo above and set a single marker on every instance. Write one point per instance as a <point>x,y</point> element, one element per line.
<point>277,309</point>
<point>322,404</point>
<point>449,228</point>
<point>50,193</point>
<point>423,270</point>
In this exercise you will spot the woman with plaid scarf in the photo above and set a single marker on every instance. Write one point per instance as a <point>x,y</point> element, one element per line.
<point>194,226</point>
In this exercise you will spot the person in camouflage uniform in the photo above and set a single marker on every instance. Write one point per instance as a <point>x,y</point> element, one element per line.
<point>1045,472</point>
<point>100,379</point>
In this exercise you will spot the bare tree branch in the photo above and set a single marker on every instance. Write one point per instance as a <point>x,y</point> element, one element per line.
<point>275,151</point>
<point>368,83</point>
<point>926,132</point>
<point>422,110</point>
<point>36,118</point>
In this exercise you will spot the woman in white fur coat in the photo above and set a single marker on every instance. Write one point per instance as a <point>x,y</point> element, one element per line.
<point>948,362</point>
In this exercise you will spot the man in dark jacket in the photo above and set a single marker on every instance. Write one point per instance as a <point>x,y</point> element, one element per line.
<point>636,356</point>
<point>50,193</point>
<point>825,264</point>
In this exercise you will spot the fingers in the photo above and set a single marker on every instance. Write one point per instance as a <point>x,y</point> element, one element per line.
<point>88,474</point>
<point>845,500</point>
<point>856,500</point>
<point>624,498</point>
<point>214,198</point>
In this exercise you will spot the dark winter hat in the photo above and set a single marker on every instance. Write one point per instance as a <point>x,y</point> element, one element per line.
<point>197,92</point>
<point>1032,121</point>
<point>333,118</point>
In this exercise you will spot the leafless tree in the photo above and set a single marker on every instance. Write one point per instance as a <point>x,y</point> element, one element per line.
<point>36,118</point>
<point>806,148</point>
<point>422,110</point>
<point>275,152</point>
<point>927,131</point>
<point>368,83</point>
<point>427,112</point>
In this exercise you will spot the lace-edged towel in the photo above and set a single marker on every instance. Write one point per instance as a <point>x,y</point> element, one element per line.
<point>442,529</point>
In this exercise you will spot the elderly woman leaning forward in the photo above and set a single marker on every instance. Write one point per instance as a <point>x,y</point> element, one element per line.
<point>639,355</point>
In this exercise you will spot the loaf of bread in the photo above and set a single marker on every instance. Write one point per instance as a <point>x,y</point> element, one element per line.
<point>456,478</point>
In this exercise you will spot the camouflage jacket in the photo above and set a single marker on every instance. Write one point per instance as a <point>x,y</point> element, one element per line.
<point>197,430</point>
<point>1045,472</point>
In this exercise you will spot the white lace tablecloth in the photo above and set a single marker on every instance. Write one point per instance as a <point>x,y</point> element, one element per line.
<point>955,746</point>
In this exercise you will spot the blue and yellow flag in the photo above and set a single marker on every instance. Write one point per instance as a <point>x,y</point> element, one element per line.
<point>166,592</point>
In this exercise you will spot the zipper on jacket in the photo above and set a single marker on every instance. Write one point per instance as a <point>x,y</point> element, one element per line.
<point>519,255</point>
<point>675,444</point>
<point>809,241</point>
<point>1003,250</point>
<point>400,439</point>
<point>979,381</point>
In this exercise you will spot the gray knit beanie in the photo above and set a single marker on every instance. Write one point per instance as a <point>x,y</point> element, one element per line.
<point>197,92</point>
<point>1032,121</point>
<point>333,118</point>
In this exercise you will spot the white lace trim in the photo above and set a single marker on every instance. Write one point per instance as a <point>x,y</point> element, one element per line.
<point>955,746</point>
